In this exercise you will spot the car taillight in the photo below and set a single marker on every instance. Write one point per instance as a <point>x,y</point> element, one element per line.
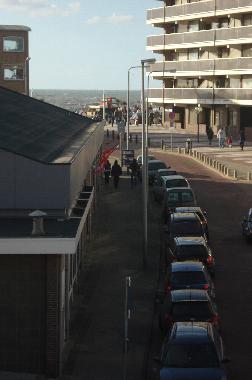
<point>215,319</point>
<point>206,286</point>
<point>168,288</point>
<point>168,319</point>
<point>210,260</point>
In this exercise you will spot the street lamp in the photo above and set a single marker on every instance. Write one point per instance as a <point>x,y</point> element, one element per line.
<point>144,63</point>
<point>27,59</point>
<point>128,101</point>
<point>198,110</point>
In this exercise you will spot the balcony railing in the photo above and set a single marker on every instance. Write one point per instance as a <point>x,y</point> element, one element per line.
<point>171,68</point>
<point>197,8</point>
<point>200,95</point>
<point>203,38</point>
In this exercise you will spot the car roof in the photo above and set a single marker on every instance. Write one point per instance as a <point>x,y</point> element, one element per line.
<point>187,266</point>
<point>184,216</point>
<point>188,209</point>
<point>166,170</point>
<point>171,177</point>
<point>190,240</point>
<point>155,161</point>
<point>185,295</point>
<point>186,332</point>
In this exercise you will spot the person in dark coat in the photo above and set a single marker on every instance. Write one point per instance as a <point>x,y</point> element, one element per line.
<point>115,173</point>
<point>107,170</point>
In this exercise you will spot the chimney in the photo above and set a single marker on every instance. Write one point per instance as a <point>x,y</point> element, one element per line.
<point>38,222</point>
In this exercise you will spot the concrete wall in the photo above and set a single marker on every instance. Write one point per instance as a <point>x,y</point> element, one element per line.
<point>82,164</point>
<point>26,184</point>
<point>22,313</point>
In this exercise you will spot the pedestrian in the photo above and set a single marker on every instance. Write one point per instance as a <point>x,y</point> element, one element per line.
<point>221,136</point>
<point>230,141</point>
<point>135,171</point>
<point>107,170</point>
<point>242,141</point>
<point>115,173</point>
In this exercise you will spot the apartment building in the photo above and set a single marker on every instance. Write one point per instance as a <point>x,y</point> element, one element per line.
<point>205,63</point>
<point>14,57</point>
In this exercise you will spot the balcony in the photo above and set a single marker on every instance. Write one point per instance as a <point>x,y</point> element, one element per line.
<point>204,67</point>
<point>213,37</point>
<point>197,10</point>
<point>241,96</point>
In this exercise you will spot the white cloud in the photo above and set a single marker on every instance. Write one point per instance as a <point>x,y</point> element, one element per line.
<point>37,8</point>
<point>113,19</point>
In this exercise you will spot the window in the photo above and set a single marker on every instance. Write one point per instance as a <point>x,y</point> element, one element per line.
<point>247,20</point>
<point>13,73</point>
<point>193,26</point>
<point>247,50</point>
<point>13,44</point>
<point>222,82</point>
<point>193,54</point>
<point>247,82</point>
<point>223,22</point>
<point>223,52</point>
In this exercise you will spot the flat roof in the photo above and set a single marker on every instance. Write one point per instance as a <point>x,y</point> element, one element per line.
<point>21,28</point>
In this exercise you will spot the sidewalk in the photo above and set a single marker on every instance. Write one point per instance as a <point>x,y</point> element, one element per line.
<point>114,252</point>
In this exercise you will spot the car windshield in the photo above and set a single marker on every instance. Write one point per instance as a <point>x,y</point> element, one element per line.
<point>185,227</point>
<point>192,251</point>
<point>187,278</point>
<point>191,356</point>
<point>176,183</point>
<point>156,165</point>
<point>194,310</point>
<point>179,196</point>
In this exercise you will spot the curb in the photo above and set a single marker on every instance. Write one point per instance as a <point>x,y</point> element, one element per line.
<point>213,164</point>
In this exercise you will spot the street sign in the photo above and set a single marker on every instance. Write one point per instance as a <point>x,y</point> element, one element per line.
<point>127,156</point>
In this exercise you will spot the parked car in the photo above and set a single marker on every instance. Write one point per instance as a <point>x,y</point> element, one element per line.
<point>247,225</point>
<point>177,197</point>
<point>149,158</point>
<point>153,167</point>
<point>188,275</point>
<point>192,351</point>
<point>202,215</point>
<point>167,182</point>
<point>182,224</point>
<point>163,172</point>
<point>187,305</point>
<point>192,248</point>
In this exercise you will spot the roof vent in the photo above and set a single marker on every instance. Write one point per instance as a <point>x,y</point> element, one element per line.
<point>38,222</point>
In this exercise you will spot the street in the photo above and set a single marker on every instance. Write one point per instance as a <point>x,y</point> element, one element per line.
<point>225,203</point>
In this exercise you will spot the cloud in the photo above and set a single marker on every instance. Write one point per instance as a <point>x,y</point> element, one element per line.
<point>113,19</point>
<point>40,8</point>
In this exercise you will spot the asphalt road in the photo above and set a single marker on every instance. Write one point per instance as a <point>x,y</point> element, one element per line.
<point>225,202</point>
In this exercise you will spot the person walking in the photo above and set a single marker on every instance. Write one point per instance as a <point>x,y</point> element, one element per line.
<point>221,135</point>
<point>230,141</point>
<point>242,141</point>
<point>135,169</point>
<point>107,170</point>
<point>116,172</point>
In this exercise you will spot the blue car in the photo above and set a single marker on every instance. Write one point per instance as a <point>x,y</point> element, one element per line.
<point>193,351</point>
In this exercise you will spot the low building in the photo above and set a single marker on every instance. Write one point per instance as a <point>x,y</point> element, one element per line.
<point>14,57</point>
<point>48,159</point>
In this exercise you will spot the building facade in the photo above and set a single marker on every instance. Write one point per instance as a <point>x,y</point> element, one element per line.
<point>14,57</point>
<point>48,186</point>
<point>205,65</point>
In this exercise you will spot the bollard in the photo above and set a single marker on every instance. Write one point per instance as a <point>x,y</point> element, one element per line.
<point>113,134</point>
<point>162,144</point>
<point>235,174</point>
<point>107,133</point>
<point>179,150</point>
<point>228,172</point>
<point>249,176</point>
<point>148,142</point>
<point>130,137</point>
<point>136,139</point>
<point>124,136</point>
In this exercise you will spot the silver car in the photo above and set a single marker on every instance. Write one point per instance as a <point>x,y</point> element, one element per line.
<point>167,182</point>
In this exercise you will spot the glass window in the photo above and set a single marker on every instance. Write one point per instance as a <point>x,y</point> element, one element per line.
<point>224,22</point>
<point>13,44</point>
<point>247,19</point>
<point>247,82</point>
<point>176,183</point>
<point>186,228</point>
<point>223,52</point>
<point>13,73</point>
<point>194,310</point>
<point>193,26</point>
<point>202,355</point>
<point>187,278</point>
<point>186,196</point>
<point>193,54</point>
<point>247,50</point>
<point>192,251</point>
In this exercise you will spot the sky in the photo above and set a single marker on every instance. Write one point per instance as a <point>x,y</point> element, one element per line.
<point>85,44</point>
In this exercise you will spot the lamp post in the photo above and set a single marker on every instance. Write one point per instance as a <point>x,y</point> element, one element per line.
<point>128,101</point>
<point>26,72</point>
<point>144,62</point>
<point>198,110</point>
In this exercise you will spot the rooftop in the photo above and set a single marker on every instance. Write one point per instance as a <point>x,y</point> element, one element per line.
<point>15,27</point>
<point>40,131</point>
